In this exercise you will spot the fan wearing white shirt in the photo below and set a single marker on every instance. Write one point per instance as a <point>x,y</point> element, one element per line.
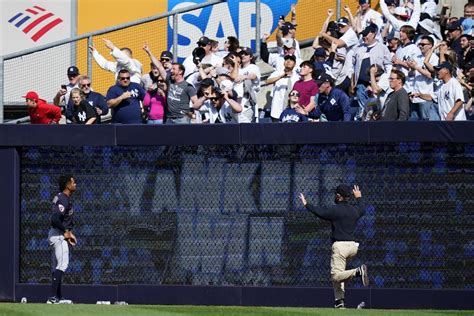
<point>450,96</point>
<point>422,109</point>
<point>209,57</point>
<point>124,60</point>
<point>283,81</point>
<point>407,52</point>
<point>401,12</point>
<point>249,75</point>
<point>366,15</point>
<point>342,64</point>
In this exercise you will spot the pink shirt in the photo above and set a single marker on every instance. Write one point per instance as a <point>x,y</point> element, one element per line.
<point>157,103</point>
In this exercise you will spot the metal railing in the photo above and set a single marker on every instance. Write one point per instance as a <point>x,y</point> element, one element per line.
<point>90,35</point>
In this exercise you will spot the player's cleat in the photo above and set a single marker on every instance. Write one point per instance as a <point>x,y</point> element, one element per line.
<point>364,275</point>
<point>340,304</point>
<point>52,300</point>
<point>64,301</point>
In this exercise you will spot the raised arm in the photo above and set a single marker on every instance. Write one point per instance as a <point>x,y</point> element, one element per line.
<point>415,16</point>
<point>323,28</point>
<point>352,21</point>
<point>155,61</point>
<point>264,53</point>
<point>389,16</point>
<point>102,62</point>
<point>321,212</point>
<point>236,106</point>
<point>293,14</point>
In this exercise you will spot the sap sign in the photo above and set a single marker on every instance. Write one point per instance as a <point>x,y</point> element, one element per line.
<point>231,18</point>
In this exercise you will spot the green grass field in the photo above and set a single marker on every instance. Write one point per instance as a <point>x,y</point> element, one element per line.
<point>162,310</point>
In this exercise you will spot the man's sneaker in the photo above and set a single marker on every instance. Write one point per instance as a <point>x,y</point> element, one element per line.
<point>364,275</point>
<point>52,300</point>
<point>64,301</point>
<point>340,304</point>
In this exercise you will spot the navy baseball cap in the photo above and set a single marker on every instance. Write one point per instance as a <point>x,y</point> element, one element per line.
<point>72,71</point>
<point>446,65</point>
<point>343,21</point>
<point>320,52</point>
<point>246,51</point>
<point>371,28</point>
<point>324,77</point>
<point>204,41</point>
<point>166,54</point>
<point>199,53</point>
<point>288,26</point>
<point>454,26</point>
<point>364,1</point>
<point>344,190</point>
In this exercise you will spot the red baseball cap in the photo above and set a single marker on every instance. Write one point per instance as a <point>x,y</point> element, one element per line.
<point>32,96</point>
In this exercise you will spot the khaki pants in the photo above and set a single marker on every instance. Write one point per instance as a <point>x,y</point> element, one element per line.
<point>342,251</point>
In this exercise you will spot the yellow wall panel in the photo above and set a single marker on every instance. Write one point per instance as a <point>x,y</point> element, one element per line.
<point>95,15</point>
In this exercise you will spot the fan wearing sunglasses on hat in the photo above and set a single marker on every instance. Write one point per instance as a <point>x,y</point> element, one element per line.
<point>94,99</point>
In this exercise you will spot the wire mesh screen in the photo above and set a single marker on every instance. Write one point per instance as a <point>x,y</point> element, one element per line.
<point>43,72</point>
<point>230,215</point>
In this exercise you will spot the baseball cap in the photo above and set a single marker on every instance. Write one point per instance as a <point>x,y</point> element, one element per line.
<point>401,11</point>
<point>199,53</point>
<point>32,96</point>
<point>289,43</point>
<point>246,50</point>
<point>343,21</point>
<point>344,190</point>
<point>454,26</point>
<point>320,52</point>
<point>72,71</point>
<point>371,28</point>
<point>292,57</point>
<point>288,26</point>
<point>204,41</point>
<point>364,1</point>
<point>446,65</point>
<point>166,54</point>
<point>324,77</point>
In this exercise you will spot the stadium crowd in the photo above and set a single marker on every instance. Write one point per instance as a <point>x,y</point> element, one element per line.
<point>412,61</point>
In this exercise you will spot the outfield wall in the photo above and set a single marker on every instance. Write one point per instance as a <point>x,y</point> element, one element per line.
<point>210,214</point>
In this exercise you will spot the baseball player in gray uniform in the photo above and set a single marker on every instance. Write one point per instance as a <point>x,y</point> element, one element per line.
<point>60,235</point>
